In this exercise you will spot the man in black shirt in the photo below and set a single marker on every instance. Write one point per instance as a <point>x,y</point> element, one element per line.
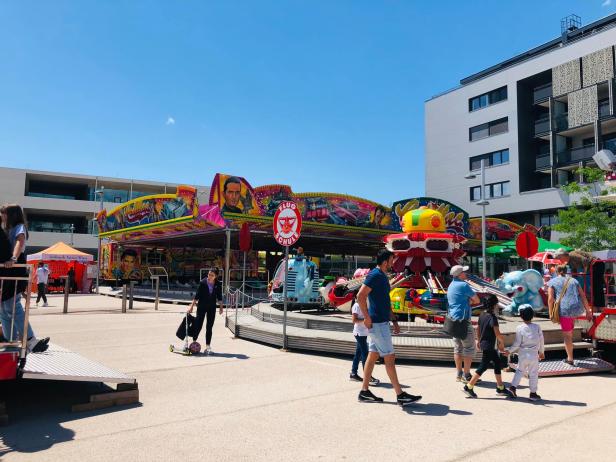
<point>208,294</point>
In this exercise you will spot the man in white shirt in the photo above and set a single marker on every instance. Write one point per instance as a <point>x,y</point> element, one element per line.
<point>42,276</point>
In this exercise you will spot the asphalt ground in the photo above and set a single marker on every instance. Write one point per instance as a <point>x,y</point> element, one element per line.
<point>254,402</point>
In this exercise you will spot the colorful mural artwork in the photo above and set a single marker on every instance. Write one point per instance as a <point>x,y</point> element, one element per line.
<point>456,219</point>
<point>149,210</point>
<point>498,229</point>
<point>233,194</point>
<point>121,262</point>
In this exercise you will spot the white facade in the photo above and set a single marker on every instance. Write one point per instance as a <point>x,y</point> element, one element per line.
<point>447,123</point>
<point>49,216</point>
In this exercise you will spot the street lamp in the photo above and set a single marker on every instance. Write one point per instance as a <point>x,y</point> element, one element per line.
<point>72,232</point>
<point>482,202</point>
<point>101,193</point>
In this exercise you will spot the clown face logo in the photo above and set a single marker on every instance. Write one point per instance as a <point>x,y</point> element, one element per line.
<point>287,224</point>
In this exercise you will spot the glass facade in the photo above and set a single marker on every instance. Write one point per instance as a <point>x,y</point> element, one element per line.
<point>487,99</point>
<point>488,129</point>
<point>492,190</point>
<point>491,159</point>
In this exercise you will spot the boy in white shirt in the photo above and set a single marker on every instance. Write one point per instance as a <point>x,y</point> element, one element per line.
<point>530,347</point>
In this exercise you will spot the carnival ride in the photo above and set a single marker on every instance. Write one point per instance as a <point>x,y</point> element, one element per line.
<point>302,284</point>
<point>599,283</point>
<point>423,252</point>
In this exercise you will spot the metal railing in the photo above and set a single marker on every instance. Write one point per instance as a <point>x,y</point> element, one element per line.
<point>575,155</point>
<point>542,92</point>
<point>543,162</point>
<point>12,341</point>
<point>542,125</point>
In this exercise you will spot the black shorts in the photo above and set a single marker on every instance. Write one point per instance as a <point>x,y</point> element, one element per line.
<point>489,357</point>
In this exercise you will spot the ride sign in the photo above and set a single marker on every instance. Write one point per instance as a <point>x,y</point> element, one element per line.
<point>287,223</point>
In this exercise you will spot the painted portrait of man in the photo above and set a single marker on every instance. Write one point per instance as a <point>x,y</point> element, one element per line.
<point>232,193</point>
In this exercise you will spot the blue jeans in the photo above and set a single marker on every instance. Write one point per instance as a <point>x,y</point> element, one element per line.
<point>6,315</point>
<point>361,352</point>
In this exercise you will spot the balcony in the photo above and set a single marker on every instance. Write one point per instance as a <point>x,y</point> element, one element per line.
<point>542,93</point>
<point>604,109</point>
<point>576,155</point>
<point>561,122</point>
<point>542,162</point>
<point>542,126</point>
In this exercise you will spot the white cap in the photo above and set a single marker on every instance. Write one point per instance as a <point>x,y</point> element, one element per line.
<point>457,270</point>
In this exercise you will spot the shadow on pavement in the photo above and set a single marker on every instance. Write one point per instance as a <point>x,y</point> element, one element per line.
<point>38,408</point>
<point>226,355</point>
<point>433,410</point>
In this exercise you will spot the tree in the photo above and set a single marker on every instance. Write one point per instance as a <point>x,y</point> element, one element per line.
<point>589,223</point>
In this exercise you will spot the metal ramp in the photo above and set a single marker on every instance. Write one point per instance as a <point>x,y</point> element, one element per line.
<point>554,368</point>
<point>58,363</point>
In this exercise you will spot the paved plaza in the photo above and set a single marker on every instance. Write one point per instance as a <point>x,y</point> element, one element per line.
<point>253,402</point>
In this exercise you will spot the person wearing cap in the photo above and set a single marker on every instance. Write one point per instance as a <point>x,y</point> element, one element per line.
<point>460,296</point>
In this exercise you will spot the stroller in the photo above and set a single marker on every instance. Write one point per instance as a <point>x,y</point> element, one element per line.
<point>184,332</point>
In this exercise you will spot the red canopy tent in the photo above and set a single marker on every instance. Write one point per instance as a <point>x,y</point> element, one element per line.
<point>60,258</point>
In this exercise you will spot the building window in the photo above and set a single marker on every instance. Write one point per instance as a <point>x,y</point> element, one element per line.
<point>548,219</point>
<point>489,129</point>
<point>487,99</point>
<point>492,159</point>
<point>492,191</point>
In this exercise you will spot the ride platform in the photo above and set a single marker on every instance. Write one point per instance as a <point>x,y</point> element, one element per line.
<point>332,333</point>
<point>554,368</point>
<point>62,365</point>
<point>58,363</point>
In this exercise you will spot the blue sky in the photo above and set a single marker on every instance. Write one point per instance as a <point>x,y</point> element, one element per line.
<point>324,95</point>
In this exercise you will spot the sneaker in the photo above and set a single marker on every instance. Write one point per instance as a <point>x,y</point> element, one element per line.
<point>45,304</point>
<point>504,392</point>
<point>459,378</point>
<point>208,350</point>
<point>41,345</point>
<point>368,396</point>
<point>374,382</point>
<point>534,397</point>
<point>469,392</point>
<point>355,378</point>
<point>405,398</point>
<point>36,304</point>
<point>513,392</point>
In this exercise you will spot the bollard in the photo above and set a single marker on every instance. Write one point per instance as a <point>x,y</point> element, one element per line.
<point>157,293</point>
<point>124,290</point>
<point>237,305</point>
<point>130,299</point>
<point>66,292</point>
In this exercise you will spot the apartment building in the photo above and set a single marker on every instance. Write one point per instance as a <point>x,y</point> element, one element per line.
<point>61,206</point>
<point>533,119</point>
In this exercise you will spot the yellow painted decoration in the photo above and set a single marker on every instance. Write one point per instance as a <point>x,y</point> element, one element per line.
<point>423,220</point>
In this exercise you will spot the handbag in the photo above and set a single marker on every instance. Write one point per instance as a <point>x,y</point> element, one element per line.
<point>456,329</point>
<point>555,309</point>
<point>186,327</point>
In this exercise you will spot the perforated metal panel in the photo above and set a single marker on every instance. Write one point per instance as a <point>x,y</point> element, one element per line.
<point>58,363</point>
<point>581,366</point>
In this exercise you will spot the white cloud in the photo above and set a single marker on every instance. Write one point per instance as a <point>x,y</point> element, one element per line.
<point>170,121</point>
<point>606,3</point>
